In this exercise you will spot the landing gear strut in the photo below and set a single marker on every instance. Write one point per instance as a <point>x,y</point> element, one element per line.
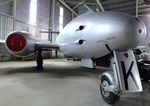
<point>39,60</point>
<point>123,79</point>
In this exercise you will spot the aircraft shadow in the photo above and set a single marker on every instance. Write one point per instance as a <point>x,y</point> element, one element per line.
<point>54,71</point>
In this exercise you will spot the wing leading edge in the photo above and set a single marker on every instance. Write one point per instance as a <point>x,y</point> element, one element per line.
<point>46,46</point>
<point>2,41</point>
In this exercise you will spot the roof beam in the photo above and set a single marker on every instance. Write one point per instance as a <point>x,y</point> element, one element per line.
<point>79,4</point>
<point>94,3</point>
<point>137,7</point>
<point>100,5</point>
<point>67,6</point>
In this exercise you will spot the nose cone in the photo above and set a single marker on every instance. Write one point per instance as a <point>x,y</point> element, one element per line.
<point>135,32</point>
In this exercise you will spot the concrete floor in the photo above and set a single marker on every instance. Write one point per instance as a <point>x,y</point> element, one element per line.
<point>62,83</point>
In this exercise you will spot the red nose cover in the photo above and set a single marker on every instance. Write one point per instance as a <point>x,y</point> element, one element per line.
<point>16,42</point>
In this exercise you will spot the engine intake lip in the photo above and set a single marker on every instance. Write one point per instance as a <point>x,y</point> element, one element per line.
<point>16,42</point>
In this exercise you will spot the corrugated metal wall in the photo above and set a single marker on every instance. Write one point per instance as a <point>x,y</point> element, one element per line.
<point>6,26</point>
<point>6,6</point>
<point>6,22</point>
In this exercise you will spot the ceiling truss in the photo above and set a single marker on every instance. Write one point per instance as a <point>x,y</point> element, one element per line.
<point>133,7</point>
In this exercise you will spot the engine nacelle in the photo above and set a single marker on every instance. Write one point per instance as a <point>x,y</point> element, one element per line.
<point>20,44</point>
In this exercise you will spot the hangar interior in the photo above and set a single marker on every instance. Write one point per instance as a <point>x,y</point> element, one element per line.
<point>62,82</point>
<point>41,18</point>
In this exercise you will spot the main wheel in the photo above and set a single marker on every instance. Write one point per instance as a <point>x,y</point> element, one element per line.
<point>108,97</point>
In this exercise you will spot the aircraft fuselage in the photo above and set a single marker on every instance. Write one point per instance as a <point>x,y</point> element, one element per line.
<point>96,34</point>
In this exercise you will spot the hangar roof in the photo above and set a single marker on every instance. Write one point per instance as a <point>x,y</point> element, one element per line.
<point>128,6</point>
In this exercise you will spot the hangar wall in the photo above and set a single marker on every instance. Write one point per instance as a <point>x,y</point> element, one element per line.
<point>55,21</point>
<point>6,26</point>
<point>14,15</point>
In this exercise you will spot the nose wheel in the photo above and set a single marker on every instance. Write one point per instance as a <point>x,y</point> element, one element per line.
<point>123,79</point>
<point>108,96</point>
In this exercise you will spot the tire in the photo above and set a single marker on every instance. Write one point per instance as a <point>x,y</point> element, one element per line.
<point>108,97</point>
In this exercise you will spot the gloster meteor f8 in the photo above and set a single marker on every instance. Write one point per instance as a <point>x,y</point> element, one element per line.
<point>95,37</point>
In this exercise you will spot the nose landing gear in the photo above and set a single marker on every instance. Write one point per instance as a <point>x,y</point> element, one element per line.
<point>39,60</point>
<point>124,78</point>
<point>108,96</point>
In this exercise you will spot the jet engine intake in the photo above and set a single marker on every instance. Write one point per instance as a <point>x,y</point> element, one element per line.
<point>20,44</point>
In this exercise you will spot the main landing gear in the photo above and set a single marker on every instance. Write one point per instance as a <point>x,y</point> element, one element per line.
<point>123,79</point>
<point>39,60</point>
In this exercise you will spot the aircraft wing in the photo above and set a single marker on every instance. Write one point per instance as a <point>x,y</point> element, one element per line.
<point>2,41</point>
<point>47,46</point>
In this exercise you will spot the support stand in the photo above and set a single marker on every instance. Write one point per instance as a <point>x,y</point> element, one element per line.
<point>39,60</point>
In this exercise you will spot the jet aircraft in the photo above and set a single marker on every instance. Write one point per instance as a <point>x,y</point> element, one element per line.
<point>98,39</point>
